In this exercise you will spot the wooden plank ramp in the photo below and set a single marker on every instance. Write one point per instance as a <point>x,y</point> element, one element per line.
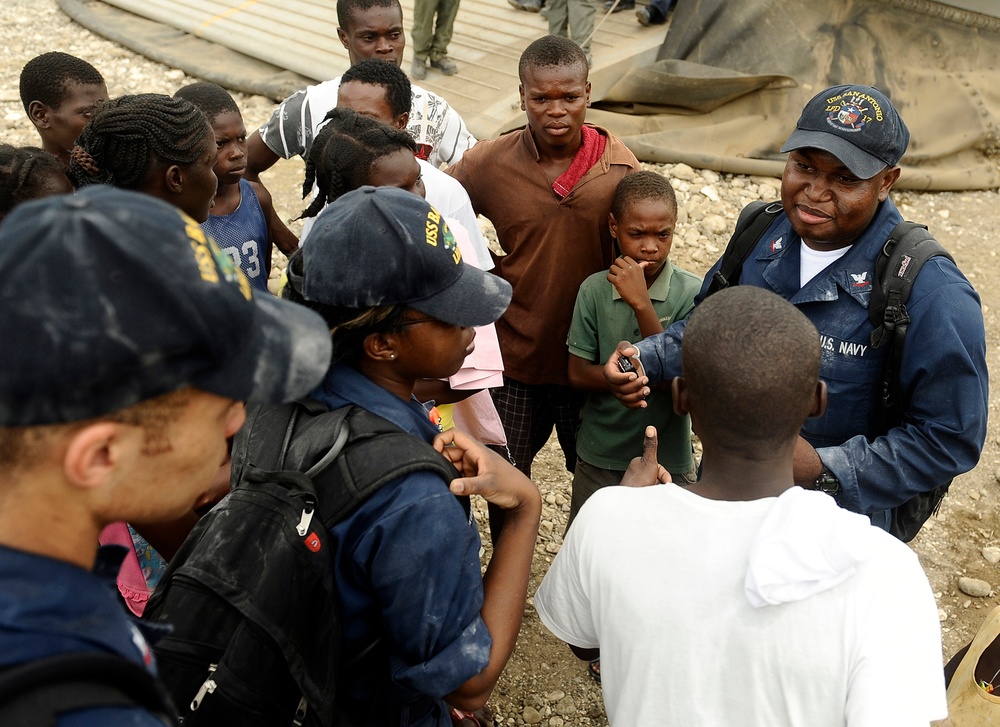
<point>301,36</point>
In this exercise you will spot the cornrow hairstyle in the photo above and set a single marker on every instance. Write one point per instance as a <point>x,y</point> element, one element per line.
<point>343,152</point>
<point>376,72</point>
<point>24,172</point>
<point>348,326</point>
<point>47,78</point>
<point>347,8</point>
<point>551,50</point>
<point>211,98</point>
<point>129,135</point>
<point>642,185</point>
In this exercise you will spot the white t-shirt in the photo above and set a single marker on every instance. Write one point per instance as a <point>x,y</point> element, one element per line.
<point>813,262</point>
<point>656,578</point>
<point>447,195</point>
<point>439,131</point>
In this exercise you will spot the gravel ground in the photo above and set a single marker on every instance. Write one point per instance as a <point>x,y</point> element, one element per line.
<point>543,683</point>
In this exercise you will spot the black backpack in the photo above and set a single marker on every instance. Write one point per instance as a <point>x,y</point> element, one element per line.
<point>909,246</point>
<point>35,693</point>
<point>251,593</point>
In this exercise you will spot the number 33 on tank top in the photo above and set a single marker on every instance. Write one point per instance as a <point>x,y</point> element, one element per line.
<point>246,257</point>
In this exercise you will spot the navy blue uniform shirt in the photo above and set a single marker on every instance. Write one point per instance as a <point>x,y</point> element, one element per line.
<point>944,379</point>
<point>408,573</point>
<point>50,607</point>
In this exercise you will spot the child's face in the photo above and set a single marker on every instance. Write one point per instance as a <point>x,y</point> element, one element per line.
<point>60,127</point>
<point>646,232</point>
<point>399,169</point>
<point>231,142</point>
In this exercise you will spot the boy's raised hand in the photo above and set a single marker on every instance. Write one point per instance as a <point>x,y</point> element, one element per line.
<point>485,473</point>
<point>646,470</point>
<point>630,281</point>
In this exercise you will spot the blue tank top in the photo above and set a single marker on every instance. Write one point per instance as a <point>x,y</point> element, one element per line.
<point>242,234</point>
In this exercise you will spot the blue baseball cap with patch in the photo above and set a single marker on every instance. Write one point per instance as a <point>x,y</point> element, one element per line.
<point>380,246</point>
<point>857,124</point>
<point>110,297</point>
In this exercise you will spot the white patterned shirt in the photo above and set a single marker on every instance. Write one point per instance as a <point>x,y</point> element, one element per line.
<point>439,131</point>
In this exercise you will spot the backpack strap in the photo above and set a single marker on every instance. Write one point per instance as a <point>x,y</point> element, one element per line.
<point>34,694</point>
<point>909,246</point>
<point>295,446</point>
<point>264,438</point>
<point>376,452</point>
<point>753,221</point>
<point>335,460</point>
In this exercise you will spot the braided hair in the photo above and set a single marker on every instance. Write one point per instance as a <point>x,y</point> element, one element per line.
<point>24,172</point>
<point>47,78</point>
<point>129,135</point>
<point>343,152</point>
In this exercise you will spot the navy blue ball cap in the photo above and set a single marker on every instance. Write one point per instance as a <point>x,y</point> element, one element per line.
<point>379,246</point>
<point>857,124</point>
<point>110,297</point>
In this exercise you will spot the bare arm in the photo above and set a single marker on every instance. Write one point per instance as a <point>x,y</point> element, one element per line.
<point>586,376</point>
<point>278,232</point>
<point>807,465</point>
<point>260,158</point>
<point>505,582</point>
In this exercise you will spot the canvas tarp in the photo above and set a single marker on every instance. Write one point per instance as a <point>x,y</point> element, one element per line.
<point>728,84</point>
<point>732,77</point>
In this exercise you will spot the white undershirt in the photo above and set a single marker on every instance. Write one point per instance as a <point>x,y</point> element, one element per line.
<point>811,261</point>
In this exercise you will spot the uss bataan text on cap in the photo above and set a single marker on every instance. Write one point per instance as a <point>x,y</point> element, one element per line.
<point>380,246</point>
<point>111,297</point>
<point>857,124</point>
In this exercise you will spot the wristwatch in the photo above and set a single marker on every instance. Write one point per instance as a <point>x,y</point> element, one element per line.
<point>827,482</point>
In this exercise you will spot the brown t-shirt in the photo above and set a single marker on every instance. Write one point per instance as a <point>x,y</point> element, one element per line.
<point>552,244</point>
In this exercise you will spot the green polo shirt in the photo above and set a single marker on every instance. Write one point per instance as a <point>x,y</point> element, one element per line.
<point>611,435</point>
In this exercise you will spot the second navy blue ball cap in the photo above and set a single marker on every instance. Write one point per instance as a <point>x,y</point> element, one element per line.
<point>380,246</point>
<point>110,297</point>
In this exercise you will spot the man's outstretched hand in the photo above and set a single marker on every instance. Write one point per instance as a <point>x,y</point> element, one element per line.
<point>631,388</point>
